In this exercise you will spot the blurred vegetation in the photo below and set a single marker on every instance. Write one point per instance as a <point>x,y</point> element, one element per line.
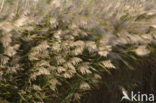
<point>76,51</point>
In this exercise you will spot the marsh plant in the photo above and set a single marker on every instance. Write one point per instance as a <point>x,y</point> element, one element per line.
<point>55,51</point>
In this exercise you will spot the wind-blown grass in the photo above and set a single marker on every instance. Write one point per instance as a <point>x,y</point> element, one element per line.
<point>55,51</point>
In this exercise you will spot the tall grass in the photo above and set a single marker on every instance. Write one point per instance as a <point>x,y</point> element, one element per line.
<point>54,51</point>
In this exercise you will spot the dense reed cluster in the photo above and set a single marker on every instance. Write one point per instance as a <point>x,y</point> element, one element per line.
<point>54,51</point>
